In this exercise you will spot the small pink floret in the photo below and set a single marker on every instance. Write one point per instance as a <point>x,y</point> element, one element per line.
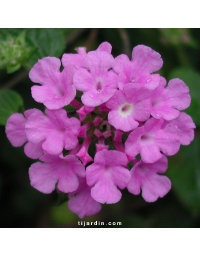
<point>82,203</point>
<point>15,129</point>
<point>95,80</point>
<point>139,70</point>
<point>55,129</point>
<point>128,107</point>
<point>168,101</point>
<point>56,171</point>
<point>151,141</point>
<point>57,88</point>
<point>146,177</point>
<point>106,174</point>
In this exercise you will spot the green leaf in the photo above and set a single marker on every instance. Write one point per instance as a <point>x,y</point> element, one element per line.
<point>184,172</point>
<point>61,215</point>
<point>10,102</point>
<point>30,44</point>
<point>69,108</point>
<point>13,32</point>
<point>47,41</point>
<point>62,198</point>
<point>177,36</point>
<point>192,79</point>
<point>14,51</point>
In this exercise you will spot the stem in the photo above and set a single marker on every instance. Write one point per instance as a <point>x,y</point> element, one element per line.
<point>91,39</point>
<point>75,35</point>
<point>126,42</point>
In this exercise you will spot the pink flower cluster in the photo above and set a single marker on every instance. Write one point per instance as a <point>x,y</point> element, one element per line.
<point>122,123</point>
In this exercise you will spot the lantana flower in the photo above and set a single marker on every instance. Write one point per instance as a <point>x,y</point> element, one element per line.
<point>109,124</point>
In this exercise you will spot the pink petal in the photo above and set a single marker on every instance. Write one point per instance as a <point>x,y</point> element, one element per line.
<point>42,178</point>
<point>15,129</point>
<point>56,130</point>
<point>53,142</point>
<point>164,111</point>
<point>160,166</point>
<point>44,70</point>
<point>57,88</point>
<point>33,151</point>
<point>168,101</point>
<point>68,181</point>
<point>36,127</point>
<point>93,98</point>
<point>177,94</point>
<point>98,62</point>
<point>117,99</point>
<point>150,153</point>
<point>183,127</point>
<point>144,177</point>
<point>63,171</point>
<point>106,173</point>
<point>83,204</point>
<point>105,191</point>
<point>76,165</point>
<point>132,144</point>
<point>150,139</point>
<point>123,67</point>
<point>75,59</point>
<point>105,46</point>
<point>127,107</point>
<point>146,60</point>
<point>93,172</point>
<point>152,81</point>
<point>134,185</point>
<point>157,187</point>
<point>121,176</point>
<point>83,80</point>
<point>167,142</point>
<point>110,157</point>
<point>120,122</point>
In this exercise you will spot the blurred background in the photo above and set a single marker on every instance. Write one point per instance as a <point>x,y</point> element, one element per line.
<point>23,206</point>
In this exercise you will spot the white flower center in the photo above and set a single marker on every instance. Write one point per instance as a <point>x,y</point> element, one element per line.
<point>125,109</point>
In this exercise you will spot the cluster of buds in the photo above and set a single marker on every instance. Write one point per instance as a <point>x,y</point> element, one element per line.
<point>109,124</point>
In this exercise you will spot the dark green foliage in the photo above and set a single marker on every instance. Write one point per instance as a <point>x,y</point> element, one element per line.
<point>10,102</point>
